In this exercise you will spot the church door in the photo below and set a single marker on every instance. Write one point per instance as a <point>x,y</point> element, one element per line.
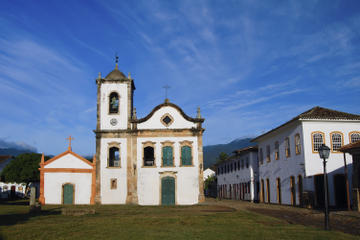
<point>168,191</point>
<point>68,193</point>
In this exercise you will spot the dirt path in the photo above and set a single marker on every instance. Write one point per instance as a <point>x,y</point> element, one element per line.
<point>344,221</point>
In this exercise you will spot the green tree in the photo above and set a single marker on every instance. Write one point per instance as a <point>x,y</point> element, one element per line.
<point>23,169</point>
<point>209,180</point>
<point>222,157</point>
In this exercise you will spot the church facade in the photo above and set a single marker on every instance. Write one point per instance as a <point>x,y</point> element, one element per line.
<point>155,160</point>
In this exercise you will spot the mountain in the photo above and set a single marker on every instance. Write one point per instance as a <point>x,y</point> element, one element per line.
<point>211,152</point>
<point>14,151</point>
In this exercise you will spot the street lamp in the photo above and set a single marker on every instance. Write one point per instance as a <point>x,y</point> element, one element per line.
<point>324,152</point>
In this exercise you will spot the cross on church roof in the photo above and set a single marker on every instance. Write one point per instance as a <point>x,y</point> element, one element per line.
<point>116,61</point>
<point>166,87</point>
<point>70,138</point>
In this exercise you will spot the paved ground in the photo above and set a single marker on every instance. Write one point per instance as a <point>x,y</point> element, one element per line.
<point>345,221</point>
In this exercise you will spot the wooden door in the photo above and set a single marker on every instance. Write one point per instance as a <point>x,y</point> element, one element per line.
<point>168,191</point>
<point>340,190</point>
<point>292,191</point>
<point>319,190</point>
<point>278,185</point>
<point>300,190</point>
<point>267,190</point>
<point>68,193</point>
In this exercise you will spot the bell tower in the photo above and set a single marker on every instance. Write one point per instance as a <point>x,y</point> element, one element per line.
<point>114,100</point>
<point>114,113</point>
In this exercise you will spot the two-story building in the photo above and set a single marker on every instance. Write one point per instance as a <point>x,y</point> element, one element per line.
<point>290,170</point>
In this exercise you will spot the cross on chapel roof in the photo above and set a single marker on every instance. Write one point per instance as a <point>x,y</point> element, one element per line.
<point>70,138</point>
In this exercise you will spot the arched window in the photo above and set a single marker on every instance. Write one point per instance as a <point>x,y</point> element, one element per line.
<point>277,156</point>
<point>354,137</point>
<point>336,141</point>
<point>114,103</point>
<point>114,157</point>
<point>297,144</point>
<point>149,159</point>
<point>287,147</point>
<point>317,140</point>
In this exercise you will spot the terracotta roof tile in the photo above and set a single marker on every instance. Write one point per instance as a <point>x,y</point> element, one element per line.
<point>316,113</point>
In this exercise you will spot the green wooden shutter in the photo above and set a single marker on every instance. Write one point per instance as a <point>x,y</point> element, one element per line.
<point>186,155</point>
<point>68,194</point>
<point>167,156</point>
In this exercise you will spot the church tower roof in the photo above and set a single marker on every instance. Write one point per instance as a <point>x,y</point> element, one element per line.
<point>116,74</point>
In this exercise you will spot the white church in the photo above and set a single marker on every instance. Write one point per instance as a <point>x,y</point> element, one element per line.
<point>155,160</point>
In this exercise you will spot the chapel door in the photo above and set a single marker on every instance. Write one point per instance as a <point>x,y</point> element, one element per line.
<point>68,193</point>
<point>168,191</point>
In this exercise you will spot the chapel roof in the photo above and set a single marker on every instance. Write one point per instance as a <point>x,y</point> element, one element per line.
<point>316,113</point>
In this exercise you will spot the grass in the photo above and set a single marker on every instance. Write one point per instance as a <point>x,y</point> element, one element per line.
<point>139,222</point>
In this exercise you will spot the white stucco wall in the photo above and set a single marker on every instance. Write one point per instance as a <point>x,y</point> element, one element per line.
<point>68,161</point>
<point>284,167</point>
<point>154,122</point>
<point>53,182</point>
<point>187,178</point>
<point>122,116</point>
<point>242,175</point>
<point>335,163</point>
<point>307,164</point>
<point>118,195</point>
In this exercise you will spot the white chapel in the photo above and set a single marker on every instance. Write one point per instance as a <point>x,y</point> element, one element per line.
<point>154,160</point>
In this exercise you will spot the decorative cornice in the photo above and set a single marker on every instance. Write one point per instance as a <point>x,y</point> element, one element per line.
<point>168,104</point>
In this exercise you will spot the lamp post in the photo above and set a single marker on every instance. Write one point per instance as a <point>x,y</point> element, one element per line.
<point>324,152</point>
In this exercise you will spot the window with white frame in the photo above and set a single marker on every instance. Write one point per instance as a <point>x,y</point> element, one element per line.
<point>336,141</point>
<point>317,140</point>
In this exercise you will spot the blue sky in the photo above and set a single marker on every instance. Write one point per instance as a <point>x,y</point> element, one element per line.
<point>249,65</point>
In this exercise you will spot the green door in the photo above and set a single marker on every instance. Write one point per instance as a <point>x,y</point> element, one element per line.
<point>68,194</point>
<point>168,191</point>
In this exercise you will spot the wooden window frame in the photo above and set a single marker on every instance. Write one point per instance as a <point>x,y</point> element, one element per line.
<point>148,144</point>
<point>351,133</point>
<point>186,143</point>
<point>297,145</point>
<point>276,150</point>
<point>261,156</point>
<point>109,100</point>
<point>331,141</point>
<point>287,147</point>
<point>167,144</point>
<point>312,140</point>
<point>110,145</point>
<point>268,153</point>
